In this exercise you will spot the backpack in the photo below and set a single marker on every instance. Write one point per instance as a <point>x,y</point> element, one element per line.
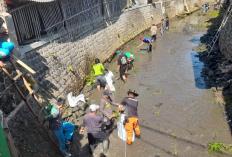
<point>123,59</point>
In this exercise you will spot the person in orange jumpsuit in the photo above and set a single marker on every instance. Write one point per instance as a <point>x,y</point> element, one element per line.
<point>131,119</point>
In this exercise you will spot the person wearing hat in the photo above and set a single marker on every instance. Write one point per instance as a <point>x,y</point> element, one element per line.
<point>106,110</point>
<point>122,65</point>
<point>93,123</point>
<point>153,32</point>
<point>130,59</point>
<point>132,119</point>
<point>58,127</point>
<point>98,69</point>
<point>148,41</point>
<point>163,27</point>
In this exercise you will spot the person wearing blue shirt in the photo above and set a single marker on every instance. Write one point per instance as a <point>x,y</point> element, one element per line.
<point>148,41</point>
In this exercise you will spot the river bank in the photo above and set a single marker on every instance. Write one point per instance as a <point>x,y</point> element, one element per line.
<point>181,119</point>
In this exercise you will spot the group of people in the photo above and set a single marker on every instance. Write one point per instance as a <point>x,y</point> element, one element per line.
<point>93,122</point>
<point>205,7</point>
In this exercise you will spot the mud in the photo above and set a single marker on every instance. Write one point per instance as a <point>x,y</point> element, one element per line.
<point>179,121</point>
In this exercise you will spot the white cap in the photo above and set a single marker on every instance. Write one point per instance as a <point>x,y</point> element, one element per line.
<point>93,107</point>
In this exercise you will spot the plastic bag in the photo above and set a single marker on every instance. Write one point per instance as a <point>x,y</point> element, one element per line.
<point>122,130</point>
<point>109,76</point>
<point>73,100</point>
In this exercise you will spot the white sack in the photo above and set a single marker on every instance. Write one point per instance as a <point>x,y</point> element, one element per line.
<point>109,76</point>
<point>122,130</point>
<point>73,100</point>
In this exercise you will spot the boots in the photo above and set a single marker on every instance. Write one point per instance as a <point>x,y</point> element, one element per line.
<point>105,147</point>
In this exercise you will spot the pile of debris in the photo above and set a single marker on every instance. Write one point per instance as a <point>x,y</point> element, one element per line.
<point>217,73</point>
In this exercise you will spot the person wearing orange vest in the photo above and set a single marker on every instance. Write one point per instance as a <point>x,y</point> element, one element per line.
<point>131,119</point>
<point>98,69</point>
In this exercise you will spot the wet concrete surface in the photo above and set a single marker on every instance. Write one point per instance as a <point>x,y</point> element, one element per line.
<point>187,120</point>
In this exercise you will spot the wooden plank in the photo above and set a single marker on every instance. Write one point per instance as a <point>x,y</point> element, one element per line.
<point>22,64</point>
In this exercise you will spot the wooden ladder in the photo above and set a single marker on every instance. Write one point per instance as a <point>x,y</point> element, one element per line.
<point>25,99</point>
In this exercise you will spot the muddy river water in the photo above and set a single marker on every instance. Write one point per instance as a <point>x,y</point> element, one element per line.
<point>186,120</point>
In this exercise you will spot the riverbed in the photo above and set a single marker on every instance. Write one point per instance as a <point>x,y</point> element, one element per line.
<point>176,114</point>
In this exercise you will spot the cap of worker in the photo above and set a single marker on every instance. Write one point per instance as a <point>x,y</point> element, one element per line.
<point>107,92</point>
<point>93,107</point>
<point>162,20</point>
<point>119,52</point>
<point>60,101</point>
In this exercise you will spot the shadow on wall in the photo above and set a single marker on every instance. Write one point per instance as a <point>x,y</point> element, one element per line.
<point>216,74</point>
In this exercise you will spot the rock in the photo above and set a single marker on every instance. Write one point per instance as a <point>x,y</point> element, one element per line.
<point>218,73</point>
<point>87,88</point>
<point>210,73</point>
<point>77,123</point>
<point>87,94</point>
<point>74,109</point>
<point>83,106</point>
<point>64,115</point>
<point>214,89</point>
<point>81,113</point>
<point>224,85</point>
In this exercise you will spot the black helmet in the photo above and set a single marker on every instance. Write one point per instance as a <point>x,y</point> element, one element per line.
<point>97,61</point>
<point>60,101</point>
<point>133,92</point>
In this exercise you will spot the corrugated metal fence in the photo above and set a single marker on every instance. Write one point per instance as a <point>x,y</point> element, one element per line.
<point>62,16</point>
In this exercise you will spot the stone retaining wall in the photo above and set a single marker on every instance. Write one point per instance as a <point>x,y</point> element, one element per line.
<point>225,40</point>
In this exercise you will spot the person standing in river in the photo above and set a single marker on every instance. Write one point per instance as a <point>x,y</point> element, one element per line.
<point>98,69</point>
<point>106,110</point>
<point>167,24</point>
<point>130,59</point>
<point>148,41</point>
<point>163,27</point>
<point>153,32</point>
<point>122,65</point>
<point>93,124</point>
<point>131,119</point>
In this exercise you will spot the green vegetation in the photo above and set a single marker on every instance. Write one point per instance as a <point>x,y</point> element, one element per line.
<point>118,35</point>
<point>196,5</point>
<point>136,69</point>
<point>172,27</point>
<point>70,68</point>
<point>219,147</point>
<point>159,91</point>
<point>204,24</point>
<point>174,136</point>
<point>53,54</point>
<point>136,44</point>
<point>116,114</point>
<point>213,14</point>
<point>131,51</point>
<point>39,95</point>
<point>132,24</point>
<point>174,151</point>
<point>157,112</point>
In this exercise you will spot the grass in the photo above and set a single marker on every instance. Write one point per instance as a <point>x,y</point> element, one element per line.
<point>218,147</point>
<point>213,14</point>
<point>159,91</point>
<point>172,27</point>
<point>174,136</point>
<point>131,51</point>
<point>174,151</point>
<point>53,54</point>
<point>118,34</point>
<point>196,5</point>
<point>157,112</point>
<point>70,68</point>
<point>204,24</point>
<point>136,69</point>
<point>136,44</point>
